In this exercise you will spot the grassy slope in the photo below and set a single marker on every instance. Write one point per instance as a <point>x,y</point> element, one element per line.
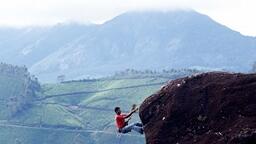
<point>54,113</point>
<point>58,112</point>
<point>15,135</point>
<point>9,87</point>
<point>48,115</point>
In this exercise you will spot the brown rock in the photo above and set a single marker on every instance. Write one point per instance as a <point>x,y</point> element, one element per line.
<point>209,108</point>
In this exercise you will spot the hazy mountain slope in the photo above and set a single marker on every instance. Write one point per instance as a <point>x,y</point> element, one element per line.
<point>152,40</point>
<point>139,40</point>
<point>26,46</point>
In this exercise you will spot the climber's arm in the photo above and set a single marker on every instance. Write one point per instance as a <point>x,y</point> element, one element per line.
<point>130,114</point>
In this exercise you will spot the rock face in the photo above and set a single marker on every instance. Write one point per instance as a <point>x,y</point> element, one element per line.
<point>209,108</point>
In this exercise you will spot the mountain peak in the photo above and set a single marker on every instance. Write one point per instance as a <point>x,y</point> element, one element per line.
<point>153,15</point>
<point>137,40</point>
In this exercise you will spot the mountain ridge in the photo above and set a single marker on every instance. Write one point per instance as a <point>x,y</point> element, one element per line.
<point>139,40</point>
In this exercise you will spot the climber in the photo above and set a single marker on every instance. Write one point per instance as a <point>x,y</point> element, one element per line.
<point>123,126</point>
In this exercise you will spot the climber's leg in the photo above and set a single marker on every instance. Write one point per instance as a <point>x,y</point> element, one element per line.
<point>135,126</point>
<point>139,124</point>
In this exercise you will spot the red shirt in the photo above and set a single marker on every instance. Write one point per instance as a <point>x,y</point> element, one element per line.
<point>120,120</point>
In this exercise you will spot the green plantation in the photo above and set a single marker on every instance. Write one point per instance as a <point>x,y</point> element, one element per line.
<point>73,111</point>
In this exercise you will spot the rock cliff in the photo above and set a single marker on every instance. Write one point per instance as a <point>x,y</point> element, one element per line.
<point>209,108</point>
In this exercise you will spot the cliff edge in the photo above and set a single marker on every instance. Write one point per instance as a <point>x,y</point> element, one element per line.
<point>208,108</point>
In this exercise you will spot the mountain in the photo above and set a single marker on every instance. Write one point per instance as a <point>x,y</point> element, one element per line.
<point>138,40</point>
<point>27,46</point>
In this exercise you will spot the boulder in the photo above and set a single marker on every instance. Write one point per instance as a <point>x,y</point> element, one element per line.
<point>208,108</point>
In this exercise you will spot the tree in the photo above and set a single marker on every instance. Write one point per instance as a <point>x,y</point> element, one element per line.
<point>61,78</point>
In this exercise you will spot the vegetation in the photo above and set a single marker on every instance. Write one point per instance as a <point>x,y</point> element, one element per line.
<point>18,89</point>
<point>78,111</point>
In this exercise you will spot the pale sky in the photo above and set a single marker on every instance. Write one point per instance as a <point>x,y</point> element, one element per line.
<point>239,15</point>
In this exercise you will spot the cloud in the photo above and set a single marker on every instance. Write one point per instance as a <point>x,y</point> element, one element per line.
<point>237,14</point>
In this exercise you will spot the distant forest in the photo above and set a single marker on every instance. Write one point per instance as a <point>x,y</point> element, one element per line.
<point>132,73</point>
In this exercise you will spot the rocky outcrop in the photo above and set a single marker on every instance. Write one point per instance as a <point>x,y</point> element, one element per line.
<point>209,108</point>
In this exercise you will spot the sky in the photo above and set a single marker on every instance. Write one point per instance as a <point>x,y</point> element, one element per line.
<point>239,15</point>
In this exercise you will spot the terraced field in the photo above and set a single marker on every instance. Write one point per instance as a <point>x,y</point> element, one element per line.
<point>73,112</point>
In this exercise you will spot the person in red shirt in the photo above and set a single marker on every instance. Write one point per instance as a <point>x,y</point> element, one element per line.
<point>123,126</point>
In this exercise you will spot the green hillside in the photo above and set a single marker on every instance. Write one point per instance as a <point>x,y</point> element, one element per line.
<point>75,111</point>
<point>17,90</point>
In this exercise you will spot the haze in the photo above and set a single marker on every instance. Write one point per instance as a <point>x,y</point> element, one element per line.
<point>236,14</point>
